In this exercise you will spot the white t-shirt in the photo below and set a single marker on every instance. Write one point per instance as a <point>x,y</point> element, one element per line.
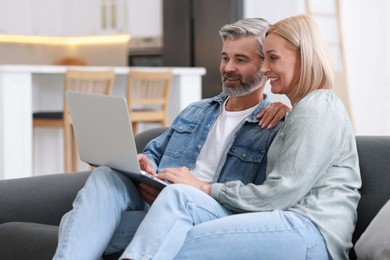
<point>214,147</point>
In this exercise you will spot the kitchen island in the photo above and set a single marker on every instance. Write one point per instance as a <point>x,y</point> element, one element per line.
<point>25,89</point>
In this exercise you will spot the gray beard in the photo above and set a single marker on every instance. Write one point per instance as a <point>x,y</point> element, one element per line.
<point>245,88</point>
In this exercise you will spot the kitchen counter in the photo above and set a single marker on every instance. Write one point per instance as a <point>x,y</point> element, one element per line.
<point>28,88</point>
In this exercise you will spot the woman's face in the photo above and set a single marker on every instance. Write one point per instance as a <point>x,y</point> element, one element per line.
<point>282,65</point>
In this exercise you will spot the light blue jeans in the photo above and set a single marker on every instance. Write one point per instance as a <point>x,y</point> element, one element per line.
<point>185,223</point>
<point>94,224</point>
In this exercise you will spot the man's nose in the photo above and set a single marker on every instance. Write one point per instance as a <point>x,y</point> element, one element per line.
<point>230,66</point>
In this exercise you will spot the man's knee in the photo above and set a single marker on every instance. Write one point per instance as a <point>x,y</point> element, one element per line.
<point>104,179</point>
<point>105,175</point>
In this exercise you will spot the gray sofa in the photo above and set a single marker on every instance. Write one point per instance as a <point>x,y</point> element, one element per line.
<point>31,208</point>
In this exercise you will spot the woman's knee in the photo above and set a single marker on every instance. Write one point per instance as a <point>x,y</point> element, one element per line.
<point>178,191</point>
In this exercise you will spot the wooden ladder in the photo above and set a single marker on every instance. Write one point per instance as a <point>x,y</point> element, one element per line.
<point>327,14</point>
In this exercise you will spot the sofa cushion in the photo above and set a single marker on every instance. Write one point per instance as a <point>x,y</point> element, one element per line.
<point>39,199</point>
<point>374,167</point>
<point>23,240</point>
<point>374,244</point>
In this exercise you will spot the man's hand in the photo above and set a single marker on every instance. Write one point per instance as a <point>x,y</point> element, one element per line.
<point>145,164</point>
<point>184,176</point>
<point>272,114</point>
<point>148,192</point>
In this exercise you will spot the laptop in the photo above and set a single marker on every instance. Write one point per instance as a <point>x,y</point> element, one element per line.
<point>104,135</point>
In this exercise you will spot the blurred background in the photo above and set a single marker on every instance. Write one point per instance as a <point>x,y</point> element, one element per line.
<point>184,33</point>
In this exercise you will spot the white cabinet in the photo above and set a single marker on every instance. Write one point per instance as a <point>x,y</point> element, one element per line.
<point>64,17</point>
<point>141,18</point>
<point>46,18</point>
<point>15,17</point>
<point>32,17</point>
<point>80,17</point>
<point>145,18</point>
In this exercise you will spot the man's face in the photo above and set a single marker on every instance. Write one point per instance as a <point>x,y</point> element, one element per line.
<point>240,66</point>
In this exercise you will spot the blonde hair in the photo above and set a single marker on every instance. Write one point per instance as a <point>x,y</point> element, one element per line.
<point>306,37</point>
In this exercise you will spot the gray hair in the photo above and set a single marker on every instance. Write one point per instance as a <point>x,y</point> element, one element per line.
<point>244,28</point>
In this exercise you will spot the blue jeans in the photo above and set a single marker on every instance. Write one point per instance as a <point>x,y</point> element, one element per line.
<point>87,231</point>
<point>184,223</point>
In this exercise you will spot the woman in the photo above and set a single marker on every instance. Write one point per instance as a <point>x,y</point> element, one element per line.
<point>306,208</point>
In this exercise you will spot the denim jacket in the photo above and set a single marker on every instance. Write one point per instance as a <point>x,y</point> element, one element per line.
<point>180,145</point>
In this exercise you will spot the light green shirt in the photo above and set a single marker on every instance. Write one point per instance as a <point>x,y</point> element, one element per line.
<point>313,170</point>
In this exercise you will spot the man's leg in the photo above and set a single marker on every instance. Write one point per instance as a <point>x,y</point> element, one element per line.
<point>261,235</point>
<point>174,213</point>
<point>130,221</point>
<point>87,229</point>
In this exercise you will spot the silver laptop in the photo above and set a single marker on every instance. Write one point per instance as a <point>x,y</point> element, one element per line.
<point>104,135</point>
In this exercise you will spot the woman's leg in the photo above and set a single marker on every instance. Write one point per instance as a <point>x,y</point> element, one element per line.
<point>87,229</point>
<point>174,213</point>
<point>261,235</point>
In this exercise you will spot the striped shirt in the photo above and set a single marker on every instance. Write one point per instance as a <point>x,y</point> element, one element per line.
<point>313,170</point>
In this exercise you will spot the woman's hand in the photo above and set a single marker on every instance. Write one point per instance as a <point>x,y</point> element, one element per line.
<point>145,164</point>
<point>272,114</point>
<point>184,176</point>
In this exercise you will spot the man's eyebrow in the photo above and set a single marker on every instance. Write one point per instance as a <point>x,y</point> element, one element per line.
<point>241,56</point>
<point>236,55</point>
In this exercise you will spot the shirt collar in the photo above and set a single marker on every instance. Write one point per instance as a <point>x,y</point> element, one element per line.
<point>220,98</point>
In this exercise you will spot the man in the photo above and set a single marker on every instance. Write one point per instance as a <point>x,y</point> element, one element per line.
<point>213,140</point>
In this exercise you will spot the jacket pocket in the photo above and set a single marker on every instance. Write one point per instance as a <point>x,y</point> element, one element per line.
<point>247,154</point>
<point>183,131</point>
<point>243,163</point>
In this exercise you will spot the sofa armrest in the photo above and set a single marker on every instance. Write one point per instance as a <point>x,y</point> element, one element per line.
<point>143,138</point>
<point>45,199</point>
<point>40,199</point>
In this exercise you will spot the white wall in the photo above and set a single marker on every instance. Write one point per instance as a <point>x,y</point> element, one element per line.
<point>367,31</point>
<point>366,28</point>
